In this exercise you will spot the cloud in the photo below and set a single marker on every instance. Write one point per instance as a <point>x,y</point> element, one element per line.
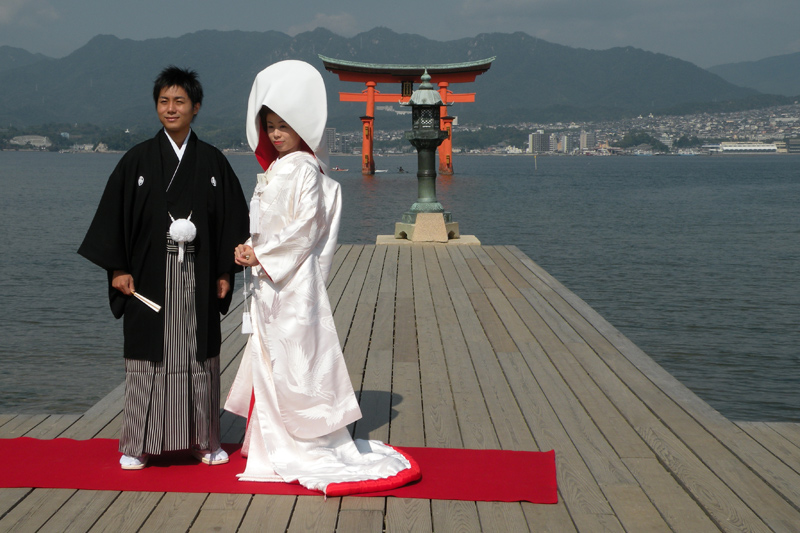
<point>27,13</point>
<point>342,24</point>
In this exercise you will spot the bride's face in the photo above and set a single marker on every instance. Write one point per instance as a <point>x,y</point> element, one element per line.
<point>281,135</point>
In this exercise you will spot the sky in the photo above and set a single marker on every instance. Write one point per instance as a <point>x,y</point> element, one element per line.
<point>704,32</point>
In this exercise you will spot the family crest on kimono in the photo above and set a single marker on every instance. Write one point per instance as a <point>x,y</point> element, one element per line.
<point>292,385</point>
<point>170,214</point>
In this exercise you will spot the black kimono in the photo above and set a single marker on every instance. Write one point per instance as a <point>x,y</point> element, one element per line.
<point>130,228</point>
<point>171,357</point>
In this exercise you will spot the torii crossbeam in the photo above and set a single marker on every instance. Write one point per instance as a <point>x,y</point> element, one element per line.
<point>371,74</point>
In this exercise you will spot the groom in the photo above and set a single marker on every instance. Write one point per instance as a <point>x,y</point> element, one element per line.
<point>171,355</point>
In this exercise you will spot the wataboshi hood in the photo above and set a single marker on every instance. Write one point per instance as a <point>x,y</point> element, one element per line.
<point>293,90</point>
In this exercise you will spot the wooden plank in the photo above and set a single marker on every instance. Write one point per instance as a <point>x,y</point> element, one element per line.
<point>356,346</point>
<point>363,504</point>
<point>377,398</point>
<point>578,488</point>
<point>407,515</point>
<point>5,418</point>
<point>175,512</point>
<point>406,429</point>
<point>35,509</point>
<point>596,522</point>
<point>548,518</point>
<point>337,283</point>
<point>221,512</point>
<point>363,520</point>
<point>11,497</point>
<point>681,512</point>
<point>405,337</point>
<point>784,449</point>
<point>346,307</point>
<point>53,426</point>
<point>475,423</point>
<point>790,430</point>
<point>493,327</point>
<point>375,394</point>
<point>339,257</point>
<point>633,509</point>
<point>440,420</point>
<point>476,318</point>
<point>98,416</point>
<point>268,514</point>
<point>80,512</point>
<point>455,516</point>
<point>460,267</point>
<point>21,425</point>
<point>718,500</point>
<point>128,512</point>
<point>507,422</point>
<point>502,516</point>
<point>481,276</point>
<point>112,430</point>
<point>314,513</point>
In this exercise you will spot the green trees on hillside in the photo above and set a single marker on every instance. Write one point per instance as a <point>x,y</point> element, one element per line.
<point>637,138</point>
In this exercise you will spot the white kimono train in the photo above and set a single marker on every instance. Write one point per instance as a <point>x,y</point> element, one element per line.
<point>293,367</point>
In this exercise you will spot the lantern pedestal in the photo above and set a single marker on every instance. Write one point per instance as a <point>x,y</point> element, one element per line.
<point>463,240</point>
<point>427,227</point>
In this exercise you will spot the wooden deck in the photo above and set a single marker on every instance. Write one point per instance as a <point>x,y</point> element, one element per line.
<point>475,347</point>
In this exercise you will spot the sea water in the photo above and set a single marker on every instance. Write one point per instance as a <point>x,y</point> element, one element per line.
<point>693,258</point>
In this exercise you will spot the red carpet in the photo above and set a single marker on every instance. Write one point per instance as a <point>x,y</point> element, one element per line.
<point>447,474</point>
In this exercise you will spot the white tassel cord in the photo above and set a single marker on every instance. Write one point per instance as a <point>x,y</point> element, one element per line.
<point>182,231</point>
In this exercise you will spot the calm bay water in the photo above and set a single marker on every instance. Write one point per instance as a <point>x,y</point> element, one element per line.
<point>694,258</point>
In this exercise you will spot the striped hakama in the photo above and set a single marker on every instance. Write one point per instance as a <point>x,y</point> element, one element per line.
<point>173,404</point>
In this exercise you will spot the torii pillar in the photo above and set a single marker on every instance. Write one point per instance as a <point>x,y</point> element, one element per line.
<point>367,138</point>
<point>446,148</point>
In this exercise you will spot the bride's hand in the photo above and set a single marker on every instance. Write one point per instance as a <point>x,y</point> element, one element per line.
<point>245,256</point>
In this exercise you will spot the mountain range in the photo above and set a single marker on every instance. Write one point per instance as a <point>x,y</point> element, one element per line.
<point>108,81</point>
<point>772,75</point>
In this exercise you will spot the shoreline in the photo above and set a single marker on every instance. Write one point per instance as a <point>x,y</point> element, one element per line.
<point>231,152</point>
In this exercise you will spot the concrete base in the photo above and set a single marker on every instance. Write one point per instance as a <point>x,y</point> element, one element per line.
<point>462,240</point>
<point>428,227</point>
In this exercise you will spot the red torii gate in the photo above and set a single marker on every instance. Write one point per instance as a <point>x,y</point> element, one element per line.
<point>372,74</point>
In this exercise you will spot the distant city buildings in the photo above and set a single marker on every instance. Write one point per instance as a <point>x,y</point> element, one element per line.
<point>742,148</point>
<point>330,140</point>
<point>772,130</point>
<point>792,145</point>
<point>34,141</point>
<point>768,130</point>
<point>538,143</point>
<point>588,141</point>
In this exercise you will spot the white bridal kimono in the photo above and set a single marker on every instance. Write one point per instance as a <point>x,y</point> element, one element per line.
<point>293,368</point>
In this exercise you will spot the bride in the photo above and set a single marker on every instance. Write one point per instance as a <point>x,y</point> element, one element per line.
<point>293,385</point>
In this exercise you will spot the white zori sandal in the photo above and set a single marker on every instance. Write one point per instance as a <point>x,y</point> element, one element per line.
<point>218,457</point>
<point>129,462</point>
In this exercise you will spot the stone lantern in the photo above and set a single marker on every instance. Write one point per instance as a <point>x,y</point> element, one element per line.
<point>426,220</point>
